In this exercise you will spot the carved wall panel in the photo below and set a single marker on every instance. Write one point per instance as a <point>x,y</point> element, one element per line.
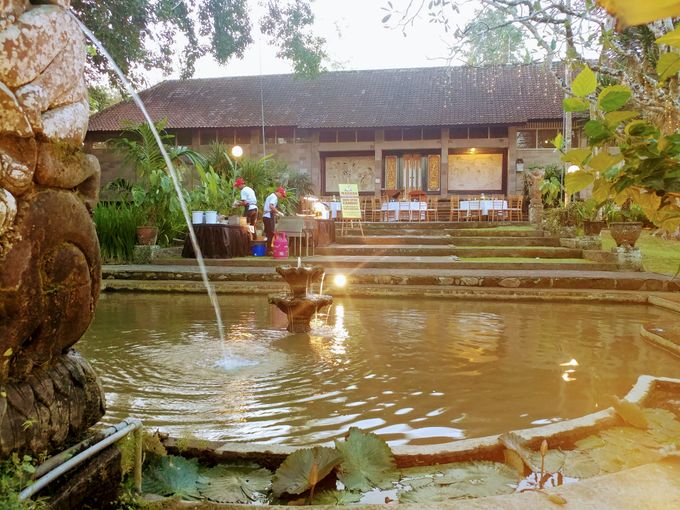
<point>390,172</point>
<point>475,172</point>
<point>433,172</point>
<point>359,170</point>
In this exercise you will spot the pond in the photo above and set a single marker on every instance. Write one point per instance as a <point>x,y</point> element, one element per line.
<point>414,371</point>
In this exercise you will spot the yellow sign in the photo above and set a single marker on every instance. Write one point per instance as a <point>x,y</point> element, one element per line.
<point>349,200</point>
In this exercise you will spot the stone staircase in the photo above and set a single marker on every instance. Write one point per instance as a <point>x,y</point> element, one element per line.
<point>505,261</point>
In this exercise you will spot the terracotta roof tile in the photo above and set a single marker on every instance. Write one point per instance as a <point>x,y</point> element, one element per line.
<point>435,96</point>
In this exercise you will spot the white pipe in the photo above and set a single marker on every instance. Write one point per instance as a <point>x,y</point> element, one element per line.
<point>132,424</point>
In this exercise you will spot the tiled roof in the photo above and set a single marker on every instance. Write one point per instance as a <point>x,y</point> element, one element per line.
<point>434,96</point>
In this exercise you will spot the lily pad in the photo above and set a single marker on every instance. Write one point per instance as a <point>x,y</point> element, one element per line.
<point>303,469</point>
<point>631,413</point>
<point>663,426</point>
<point>578,464</point>
<point>554,460</point>
<point>337,498</point>
<point>431,494</point>
<point>478,479</point>
<point>173,476</point>
<point>235,484</point>
<point>367,462</point>
<point>590,442</point>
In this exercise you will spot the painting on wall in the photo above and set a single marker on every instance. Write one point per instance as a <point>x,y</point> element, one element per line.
<point>475,172</point>
<point>359,170</point>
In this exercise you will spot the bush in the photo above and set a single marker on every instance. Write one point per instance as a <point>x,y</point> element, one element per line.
<point>116,224</point>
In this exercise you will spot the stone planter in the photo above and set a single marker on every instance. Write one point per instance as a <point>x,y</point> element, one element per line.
<point>147,235</point>
<point>625,233</point>
<point>593,228</point>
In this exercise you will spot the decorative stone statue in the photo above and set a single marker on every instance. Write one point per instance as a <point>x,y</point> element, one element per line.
<point>536,203</point>
<point>49,254</point>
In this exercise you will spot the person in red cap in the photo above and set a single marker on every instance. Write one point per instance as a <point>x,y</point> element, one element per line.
<point>248,201</point>
<point>269,216</point>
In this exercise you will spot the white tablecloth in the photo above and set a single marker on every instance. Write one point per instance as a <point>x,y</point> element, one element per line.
<point>393,210</point>
<point>484,205</point>
<point>334,207</point>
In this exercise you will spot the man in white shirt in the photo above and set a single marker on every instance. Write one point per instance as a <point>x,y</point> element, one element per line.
<point>269,216</point>
<point>248,201</point>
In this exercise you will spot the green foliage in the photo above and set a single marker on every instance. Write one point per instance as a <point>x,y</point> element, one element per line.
<point>214,193</point>
<point>116,224</point>
<point>235,483</point>
<point>551,185</point>
<point>627,159</point>
<point>367,461</point>
<point>101,97</point>
<point>303,469</point>
<point>491,40</point>
<point>142,35</point>
<point>15,476</point>
<point>456,481</point>
<point>173,476</point>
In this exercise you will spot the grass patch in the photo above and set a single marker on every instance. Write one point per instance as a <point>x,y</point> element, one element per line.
<point>658,255</point>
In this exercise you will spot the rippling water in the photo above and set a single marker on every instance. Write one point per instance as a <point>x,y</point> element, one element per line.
<point>415,371</point>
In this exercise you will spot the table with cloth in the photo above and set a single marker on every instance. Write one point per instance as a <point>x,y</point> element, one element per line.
<point>392,211</point>
<point>219,241</point>
<point>482,205</point>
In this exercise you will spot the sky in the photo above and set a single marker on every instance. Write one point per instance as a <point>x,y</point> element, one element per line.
<point>356,39</point>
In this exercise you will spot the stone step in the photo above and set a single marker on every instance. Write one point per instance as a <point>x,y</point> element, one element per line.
<point>441,279</point>
<point>401,263</point>
<point>439,250</point>
<point>448,240</point>
<point>453,232</point>
<point>434,225</point>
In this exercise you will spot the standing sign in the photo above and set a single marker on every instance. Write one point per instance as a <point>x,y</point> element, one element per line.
<point>349,200</point>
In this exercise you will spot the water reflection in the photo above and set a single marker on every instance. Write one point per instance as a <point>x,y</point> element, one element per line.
<point>416,372</point>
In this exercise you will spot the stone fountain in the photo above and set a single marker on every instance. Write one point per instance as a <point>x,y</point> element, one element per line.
<point>301,306</point>
<point>50,268</point>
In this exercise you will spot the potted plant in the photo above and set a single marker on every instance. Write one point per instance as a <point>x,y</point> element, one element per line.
<point>590,216</point>
<point>155,199</point>
<point>625,224</point>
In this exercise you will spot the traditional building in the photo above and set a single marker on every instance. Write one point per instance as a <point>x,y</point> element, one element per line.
<point>452,130</point>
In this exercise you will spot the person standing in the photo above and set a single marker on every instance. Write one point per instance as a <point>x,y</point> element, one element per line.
<point>269,216</point>
<point>249,203</point>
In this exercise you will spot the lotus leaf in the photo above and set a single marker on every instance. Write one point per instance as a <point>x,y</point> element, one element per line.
<point>432,494</point>
<point>303,468</point>
<point>663,426</point>
<point>589,443</point>
<point>631,413</point>
<point>578,464</point>
<point>367,461</point>
<point>337,498</point>
<point>235,484</point>
<point>554,460</point>
<point>173,476</point>
<point>478,479</point>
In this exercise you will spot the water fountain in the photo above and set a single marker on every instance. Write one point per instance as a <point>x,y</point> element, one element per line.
<point>301,306</point>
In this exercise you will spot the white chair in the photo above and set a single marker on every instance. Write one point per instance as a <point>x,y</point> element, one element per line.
<point>294,228</point>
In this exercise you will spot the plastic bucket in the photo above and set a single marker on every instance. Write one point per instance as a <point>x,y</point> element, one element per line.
<point>211,217</point>
<point>197,217</point>
<point>258,249</point>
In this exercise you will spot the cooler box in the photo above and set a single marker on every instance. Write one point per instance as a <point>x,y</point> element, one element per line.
<point>258,248</point>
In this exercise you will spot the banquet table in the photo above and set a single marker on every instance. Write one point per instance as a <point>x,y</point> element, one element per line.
<point>392,211</point>
<point>219,241</point>
<point>483,205</point>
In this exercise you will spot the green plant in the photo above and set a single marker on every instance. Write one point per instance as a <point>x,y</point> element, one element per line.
<point>627,212</point>
<point>116,224</point>
<point>15,475</point>
<point>627,159</point>
<point>551,186</point>
<point>215,192</point>
<point>587,210</point>
<point>557,218</point>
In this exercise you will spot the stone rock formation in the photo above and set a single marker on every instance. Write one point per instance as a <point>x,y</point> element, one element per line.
<point>50,266</point>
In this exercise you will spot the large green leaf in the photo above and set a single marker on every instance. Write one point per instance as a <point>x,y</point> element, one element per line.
<point>613,97</point>
<point>431,494</point>
<point>601,190</point>
<point>575,104</point>
<point>603,161</point>
<point>367,461</point>
<point>668,65</point>
<point>173,476</point>
<point>303,468</point>
<point>579,464</point>
<point>576,156</point>
<point>585,83</point>
<point>478,479</point>
<point>235,483</point>
<point>596,131</point>
<point>671,38</point>
<point>577,181</point>
<point>640,128</point>
<point>337,498</point>
<point>613,119</point>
